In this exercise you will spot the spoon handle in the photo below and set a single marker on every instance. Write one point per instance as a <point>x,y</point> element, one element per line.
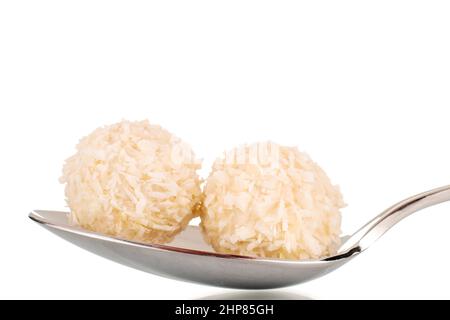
<point>368,234</point>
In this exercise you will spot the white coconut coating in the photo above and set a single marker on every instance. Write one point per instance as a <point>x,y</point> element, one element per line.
<point>132,180</point>
<point>274,203</point>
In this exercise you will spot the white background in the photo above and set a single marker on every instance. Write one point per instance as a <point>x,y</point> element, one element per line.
<point>363,87</point>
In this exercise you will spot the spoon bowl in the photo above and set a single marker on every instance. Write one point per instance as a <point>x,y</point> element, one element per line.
<point>188,258</point>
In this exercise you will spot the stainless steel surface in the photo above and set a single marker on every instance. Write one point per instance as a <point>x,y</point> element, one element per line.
<point>372,231</point>
<point>188,258</point>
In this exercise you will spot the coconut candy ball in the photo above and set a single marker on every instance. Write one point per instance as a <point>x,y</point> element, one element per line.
<point>267,200</point>
<point>132,180</point>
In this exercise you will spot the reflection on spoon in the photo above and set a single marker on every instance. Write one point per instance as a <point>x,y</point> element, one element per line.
<point>189,259</point>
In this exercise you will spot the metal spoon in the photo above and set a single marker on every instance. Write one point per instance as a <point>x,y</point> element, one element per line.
<point>188,258</point>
